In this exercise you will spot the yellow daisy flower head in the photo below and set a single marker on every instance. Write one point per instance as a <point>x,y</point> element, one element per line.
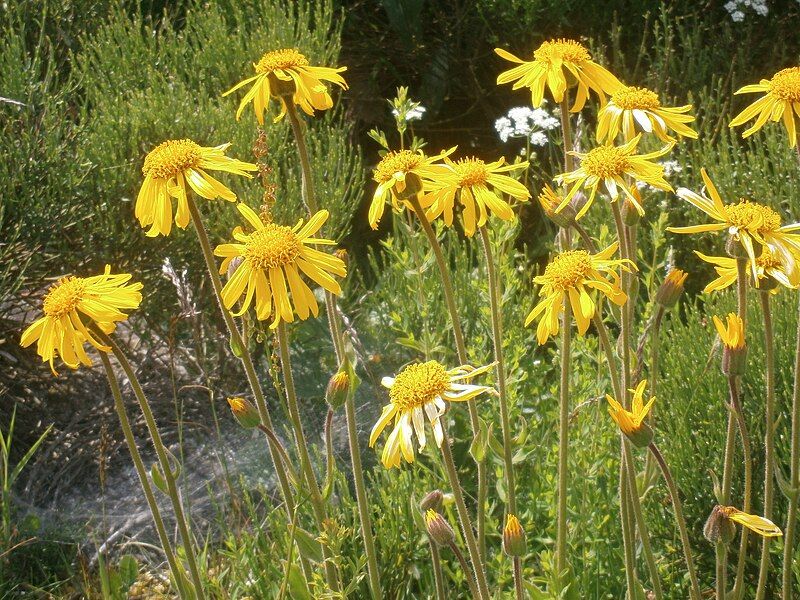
<point>671,288</point>
<point>606,166</point>
<point>571,275</point>
<point>631,422</point>
<point>720,526</point>
<point>750,226</point>
<point>168,168</point>
<point>514,543</point>
<point>287,73</point>
<point>781,100</point>
<point>421,390</point>
<point>559,64</point>
<point>478,187</point>
<point>70,306</point>
<point>770,271</point>
<point>270,261</point>
<point>732,332</point>
<point>631,108</point>
<point>399,175</point>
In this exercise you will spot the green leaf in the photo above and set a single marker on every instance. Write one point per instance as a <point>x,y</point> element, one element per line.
<point>158,478</point>
<point>128,571</point>
<point>480,442</point>
<point>308,545</point>
<point>298,588</point>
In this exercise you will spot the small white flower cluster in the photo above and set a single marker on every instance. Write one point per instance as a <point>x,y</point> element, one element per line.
<point>413,114</point>
<point>736,8</point>
<point>526,122</point>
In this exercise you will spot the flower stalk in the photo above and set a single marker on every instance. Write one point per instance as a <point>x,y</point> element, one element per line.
<point>794,472</point>
<point>736,407</point>
<point>563,442</point>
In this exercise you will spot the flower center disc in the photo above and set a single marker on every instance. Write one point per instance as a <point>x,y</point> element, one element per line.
<point>281,59</point>
<point>632,97</point>
<point>418,384</point>
<point>605,161</point>
<point>170,158</point>
<point>568,269</point>
<point>472,171</point>
<point>64,296</point>
<point>561,50</point>
<point>785,84</point>
<point>396,162</point>
<point>768,260</point>
<point>272,247</point>
<point>753,217</point>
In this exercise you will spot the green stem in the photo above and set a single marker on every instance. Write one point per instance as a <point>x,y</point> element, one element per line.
<point>461,351</point>
<point>679,520</point>
<point>654,342</point>
<point>769,440</point>
<point>736,407</point>
<point>178,573</point>
<point>464,520</point>
<point>317,503</point>
<point>722,561</point>
<point>497,339</point>
<point>307,190</point>
<point>473,588</point>
<point>244,356</point>
<point>563,442</point>
<point>565,241</point>
<point>163,459</point>
<point>518,583</point>
<point>585,238</point>
<point>436,561</point>
<point>794,475</point>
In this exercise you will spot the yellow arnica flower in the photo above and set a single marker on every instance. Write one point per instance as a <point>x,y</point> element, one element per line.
<point>631,422</point>
<point>781,100</point>
<point>630,106</point>
<point>760,525</point>
<point>558,64</point>
<point>732,332</point>
<point>475,184</point>
<point>607,166</point>
<point>167,170</point>
<point>62,331</point>
<point>768,267</point>
<point>271,260</point>
<point>747,222</point>
<point>569,275</point>
<point>287,72</point>
<point>421,390</point>
<point>399,175</point>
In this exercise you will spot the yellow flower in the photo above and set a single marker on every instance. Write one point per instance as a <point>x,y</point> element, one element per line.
<point>421,390</point>
<point>781,100</point>
<point>768,267</point>
<point>672,287</point>
<point>607,166</point>
<point>514,543</point>
<point>746,222</point>
<point>558,64</point>
<point>760,525</point>
<point>272,258</point>
<point>631,422</point>
<point>476,185</point>
<point>732,333</point>
<point>283,73</point>
<point>62,331</point>
<point>567,276</point>
<point>399,175</point>
<point>632,105</point>
<point>168,168</point>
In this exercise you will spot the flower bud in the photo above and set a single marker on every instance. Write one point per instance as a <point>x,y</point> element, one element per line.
<point>338,390</point>
<point>630,214</point>
<point>245,413</point>
<point>734,348</point>
<point>432,501</point>
<point>413,186</point>
<point>341,254</point>
<point>671,289</point>
<point>734,361</point>
<point>550,200</point>
<point>514,543</point>
<point>438,528</point>
<point>718,527</point>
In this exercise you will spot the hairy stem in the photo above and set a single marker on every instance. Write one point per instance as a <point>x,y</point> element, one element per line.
<point>563,441</point>
<point>436,561</point>
<point>747,456</point>
<point>473,588</point>
<point>794,474</point>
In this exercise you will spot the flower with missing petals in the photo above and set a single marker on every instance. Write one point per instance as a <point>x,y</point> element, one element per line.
<point>769,269</point>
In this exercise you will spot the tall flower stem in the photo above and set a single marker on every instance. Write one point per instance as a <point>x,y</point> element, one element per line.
<point>563,442</point>
<point>794,473</point>
<point>178,573</point>
<point>722,561</point>
<point>365,521</point>
<point>473,588</point>
<point>497,338</point>
<point>461,351</point>
<point>769,439</point>
<point>317,503</point>
<point>747,456</point>
<point>464,520</point>
<point>244,356</point>
<point>519,589</point>
<point>163,459</point>
<point>436,561</point>
<point>654,347</point>
<point>564,234</point>
<point>679,520</point>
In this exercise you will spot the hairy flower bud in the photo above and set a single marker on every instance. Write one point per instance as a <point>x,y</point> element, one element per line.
<point>718,527</point>
<point>630,214</point>
<point>432,501</point>
<point>514,543</point>
<point>338,390</point>
<point>438,528</point>
<point>245,413</point>
<point>734,348</point>
<point>671,289</point>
